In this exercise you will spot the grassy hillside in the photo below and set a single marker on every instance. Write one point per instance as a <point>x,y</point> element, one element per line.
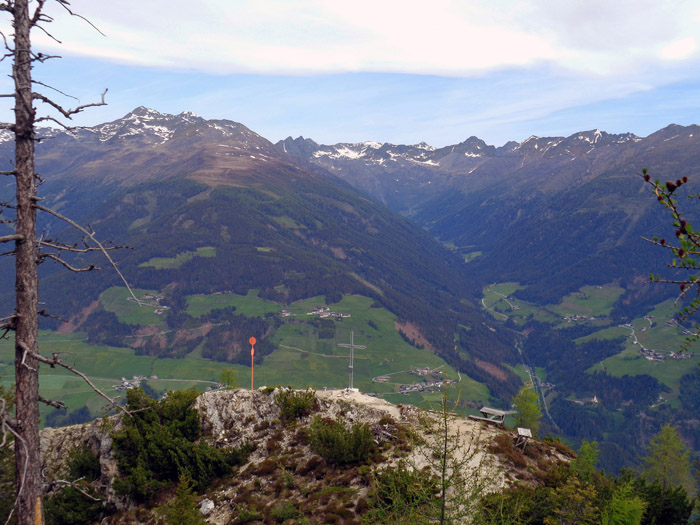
<point>304,354</point>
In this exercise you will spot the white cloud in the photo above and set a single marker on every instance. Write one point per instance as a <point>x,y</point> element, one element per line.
<point>680,49</point>
<point>450,37</point>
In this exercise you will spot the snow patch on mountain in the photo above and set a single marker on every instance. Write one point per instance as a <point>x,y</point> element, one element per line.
<point>6,136</point>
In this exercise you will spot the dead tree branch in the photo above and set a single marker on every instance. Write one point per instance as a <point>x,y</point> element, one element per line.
<point>56,245</point>
<point>38,13</point>
<point>68,113</point>
<point>44,313</point>
<point>54,120</point>
<point>91,235</point>
<point>73,484</point>
<point>48,34</point>
<point>12,429</point>
<point>39,83</point>
<point>13,237</point>
<point>65,4</point>
<point>54,361</point>
<point>51,403</point>
<point>59,260</point>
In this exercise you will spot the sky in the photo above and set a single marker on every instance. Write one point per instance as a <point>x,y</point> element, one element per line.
<point>382,70</point>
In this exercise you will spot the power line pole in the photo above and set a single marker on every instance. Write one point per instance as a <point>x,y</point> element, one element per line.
<point>352,347</point>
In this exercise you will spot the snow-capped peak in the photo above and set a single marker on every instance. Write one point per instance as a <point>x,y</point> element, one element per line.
<point>189,116</point>
<point>144,112</point>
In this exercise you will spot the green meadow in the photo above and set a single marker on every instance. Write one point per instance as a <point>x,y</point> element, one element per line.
<point>591,301</point>
<point>300,359</point>
<point>160,263</point>
<point>630,362</point>
<point>105,366</point>
<point>655,331</point>
<point>118,300</point>
<point>288,222</point>
<point>498,297</point>
<point>249,305</point>
<point>652,332</point>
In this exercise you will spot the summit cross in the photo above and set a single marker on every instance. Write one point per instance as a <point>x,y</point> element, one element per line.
<point>352,347</point>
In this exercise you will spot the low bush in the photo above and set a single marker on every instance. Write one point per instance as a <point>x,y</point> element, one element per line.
<point>246,514</point>
<point>285,510</point>
<point>559,445</point>
<point>182,509</point>
<point>71,504</point>
<point>400,493</point>
<point>161,442</point>
<point>83,463</point>
<point>295,404</point>
<point>336,443</point>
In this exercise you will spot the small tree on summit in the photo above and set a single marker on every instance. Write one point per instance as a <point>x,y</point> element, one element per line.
<point>528,409</point>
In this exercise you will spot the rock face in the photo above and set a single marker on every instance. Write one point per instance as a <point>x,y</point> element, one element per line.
<point>283,468</point>
<point>58,443</point>
<point>230,417</point>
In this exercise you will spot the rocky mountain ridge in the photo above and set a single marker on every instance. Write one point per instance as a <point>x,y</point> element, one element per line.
<point>473,147</point>
<point>231,418</point>
<point>405,177</point>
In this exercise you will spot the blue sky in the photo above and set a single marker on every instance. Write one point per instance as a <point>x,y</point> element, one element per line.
<point>385,70</point>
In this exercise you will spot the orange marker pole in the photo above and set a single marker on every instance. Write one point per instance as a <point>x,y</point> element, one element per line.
<point>252,342</point>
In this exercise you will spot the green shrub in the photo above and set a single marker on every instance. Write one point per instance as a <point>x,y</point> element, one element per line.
<point>295,404</point>
<point>69,505</point>
<point>401,494</point>
<point>83,463</point>
<point>336,443</point>
<point>246,514</point>
<point>182,510</point>
<point>285,510</point>
<point>160,442</point>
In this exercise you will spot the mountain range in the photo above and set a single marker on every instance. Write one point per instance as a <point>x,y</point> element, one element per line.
<point>172,184</point>
<point>558,217</point>
<point>210,207</point>
<point>554,213</point>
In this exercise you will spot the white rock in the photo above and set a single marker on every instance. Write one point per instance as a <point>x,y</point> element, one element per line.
<point>206,507</point>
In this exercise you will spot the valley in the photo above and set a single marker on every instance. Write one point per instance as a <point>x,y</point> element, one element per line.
<point>306,353</point>
<point>649,345</point>
<point>453,299</point>
<point>583,359</point>
<point>490,265</point>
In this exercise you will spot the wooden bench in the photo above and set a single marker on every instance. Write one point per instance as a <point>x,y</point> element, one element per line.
<point>493,416</point>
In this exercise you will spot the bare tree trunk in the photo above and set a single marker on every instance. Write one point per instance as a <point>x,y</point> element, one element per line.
<point>27,454</point>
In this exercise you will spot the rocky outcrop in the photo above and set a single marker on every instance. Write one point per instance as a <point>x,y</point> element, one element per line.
<point>57,444</point>
<point>282,465</point>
